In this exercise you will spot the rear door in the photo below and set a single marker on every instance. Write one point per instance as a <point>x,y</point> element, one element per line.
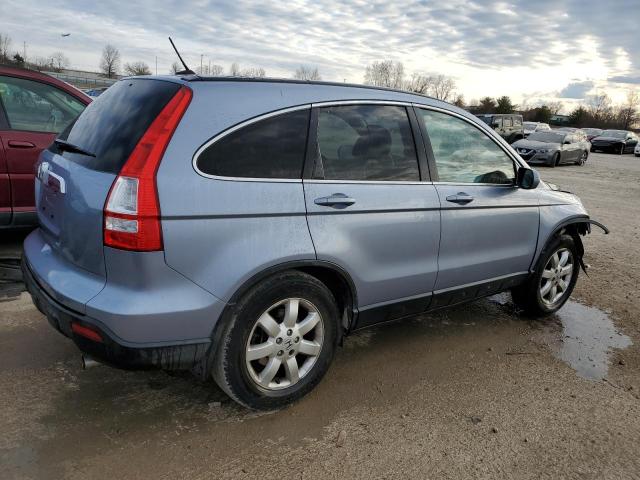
<point>489,226</point>
<point>36,112</point>
<point>5,186</point>
<point>368,209</point>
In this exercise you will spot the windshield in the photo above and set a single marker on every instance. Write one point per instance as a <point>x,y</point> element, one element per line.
<point>614,133</point>
<point>547,137</point>
<point>593,131</point>
<point>530,125</point>
<point>485,118</point>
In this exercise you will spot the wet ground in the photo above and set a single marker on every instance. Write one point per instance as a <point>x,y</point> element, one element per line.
<point>473,392</point>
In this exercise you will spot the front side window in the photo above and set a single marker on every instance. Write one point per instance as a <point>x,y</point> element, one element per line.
<point>463,153</point>
<point>365,142</point>
<point>37,107</point>
<point>507,122</point>
<point>269,148</point>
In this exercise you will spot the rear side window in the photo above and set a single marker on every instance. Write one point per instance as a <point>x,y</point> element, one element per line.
<point>270,148</point>
<point>37,107</point>
<point>111,126</point>
<point>366,142</point>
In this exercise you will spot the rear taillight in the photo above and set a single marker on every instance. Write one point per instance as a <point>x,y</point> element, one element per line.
<point>132,210</point>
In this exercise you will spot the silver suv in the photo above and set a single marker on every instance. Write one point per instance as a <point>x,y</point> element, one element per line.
<point>240,228</point>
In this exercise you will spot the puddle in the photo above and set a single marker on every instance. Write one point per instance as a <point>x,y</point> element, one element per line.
<point>585,340</point>
<point>588,337</point>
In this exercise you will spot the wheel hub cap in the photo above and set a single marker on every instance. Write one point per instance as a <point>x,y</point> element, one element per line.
<point>556,276</point>
<point>284,344</point>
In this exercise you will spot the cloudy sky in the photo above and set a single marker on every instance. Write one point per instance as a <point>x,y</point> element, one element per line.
<point>533,50</point>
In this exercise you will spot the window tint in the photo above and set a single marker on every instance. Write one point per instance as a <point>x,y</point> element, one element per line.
<point>507,122</point>
<point>463,153</point>
<point>366,142</point>
<point>270,148</point>
<point>37,107</point>
<point>111,126</point>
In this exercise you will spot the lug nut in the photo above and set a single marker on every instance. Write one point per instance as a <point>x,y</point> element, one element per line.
<point>289,332</point>
<point>280,352</point>
<point>278,340</point>
<point>297,339</point>
<point>291,352</point>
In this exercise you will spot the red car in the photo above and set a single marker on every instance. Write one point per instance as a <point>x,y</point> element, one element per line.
<point>34,108</point>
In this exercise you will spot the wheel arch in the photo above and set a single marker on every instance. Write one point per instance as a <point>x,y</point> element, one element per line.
<point>334,277</point>
<point>576,226</point>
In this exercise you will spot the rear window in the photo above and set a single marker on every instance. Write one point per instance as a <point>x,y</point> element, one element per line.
<point>270,148</point>
<point>111,126</point>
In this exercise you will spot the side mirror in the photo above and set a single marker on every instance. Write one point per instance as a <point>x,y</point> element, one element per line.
<point>528,178</point>
<point>567,142</point>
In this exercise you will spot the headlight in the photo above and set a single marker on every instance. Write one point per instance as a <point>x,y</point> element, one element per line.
<point>543,150</point>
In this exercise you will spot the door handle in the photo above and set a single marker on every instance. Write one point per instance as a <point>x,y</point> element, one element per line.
<point>20,144</point>
<point>460,198</point>
<point>336,200</point>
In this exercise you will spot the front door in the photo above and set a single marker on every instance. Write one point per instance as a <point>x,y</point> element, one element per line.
<point>489,225</point>
<point>368,210</point>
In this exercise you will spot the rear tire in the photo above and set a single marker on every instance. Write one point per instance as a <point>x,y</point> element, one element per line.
<point>266,358</point>
<point>555,160</point>
<point>550,286</point>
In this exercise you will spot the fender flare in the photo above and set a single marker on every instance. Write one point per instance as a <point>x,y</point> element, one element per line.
<point>583,227</point>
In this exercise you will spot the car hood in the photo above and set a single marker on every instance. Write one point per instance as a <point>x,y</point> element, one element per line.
<point>534,144</point>
<point>608,139</point>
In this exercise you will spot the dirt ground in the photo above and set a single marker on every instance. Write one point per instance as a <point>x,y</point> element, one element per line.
<point>472,392</point>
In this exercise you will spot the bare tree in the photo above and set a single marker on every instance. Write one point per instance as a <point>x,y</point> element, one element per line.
<point>216,71</point>
<point>59,61</point>
<point>137,68</point>
<point>175,68</point>
<point>629,113</point>
<point>459,101</point>
<point>419,84</point>
<point>443,88</point>
<point>385,74</point>
<point>5,46</point>
<point>42,63</point>
<point>307,73</point>
<point>600,107</point>
<point>234,70</point>
<point>555,107</point>
<point>110,61</point>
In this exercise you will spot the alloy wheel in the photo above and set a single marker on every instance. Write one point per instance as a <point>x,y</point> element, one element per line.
<point>556,276</point>
<point>284,344</point>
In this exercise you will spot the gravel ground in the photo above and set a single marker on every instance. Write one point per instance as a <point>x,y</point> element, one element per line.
<point>472,392</point>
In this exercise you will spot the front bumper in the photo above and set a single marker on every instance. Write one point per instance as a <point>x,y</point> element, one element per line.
<point>536,158</point>
<point>606,147</point>
<point>111,349</point>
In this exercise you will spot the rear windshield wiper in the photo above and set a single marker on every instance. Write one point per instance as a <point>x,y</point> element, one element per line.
<point>65,146</point>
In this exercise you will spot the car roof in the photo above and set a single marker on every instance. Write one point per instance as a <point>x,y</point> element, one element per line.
<point>27,74</point>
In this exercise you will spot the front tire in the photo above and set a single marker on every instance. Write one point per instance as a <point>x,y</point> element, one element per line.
<point>555,277</point>
<point>555,160</point>
<point>621,149</point>
<point>583,158</point>
<point>278,341</point>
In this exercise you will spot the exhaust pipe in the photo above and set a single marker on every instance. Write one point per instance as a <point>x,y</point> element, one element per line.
<point>88,362</point>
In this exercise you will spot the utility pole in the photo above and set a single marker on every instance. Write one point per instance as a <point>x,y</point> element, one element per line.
<point>201,55</point>
<point>209,71</point>
<point>24,51</point>
<point>156,64</point>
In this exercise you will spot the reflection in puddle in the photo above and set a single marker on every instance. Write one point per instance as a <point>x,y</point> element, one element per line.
<point>586,340</point>
<point>588,337</point>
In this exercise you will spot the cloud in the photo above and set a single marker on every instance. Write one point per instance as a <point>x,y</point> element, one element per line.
<point>625,79</point>
<point>576,89</point>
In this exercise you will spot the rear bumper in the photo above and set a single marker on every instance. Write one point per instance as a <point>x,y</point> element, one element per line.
<point>112,350</point>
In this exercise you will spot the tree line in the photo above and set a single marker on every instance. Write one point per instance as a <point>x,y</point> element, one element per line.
<point>597,111</point>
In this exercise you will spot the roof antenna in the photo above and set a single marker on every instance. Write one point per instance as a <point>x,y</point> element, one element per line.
<point>187,70</point>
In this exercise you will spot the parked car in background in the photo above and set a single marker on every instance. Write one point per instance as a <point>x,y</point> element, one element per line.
<point>615,141</point>
<point>553,148</point>
<point>592,132</point>
<point>34,108</point>
<point>244,245</point>
<point>530,127</point>
<point>508,126</point>
<point>95,92</point>
<point>577,131</point>
<point>636,151</point>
